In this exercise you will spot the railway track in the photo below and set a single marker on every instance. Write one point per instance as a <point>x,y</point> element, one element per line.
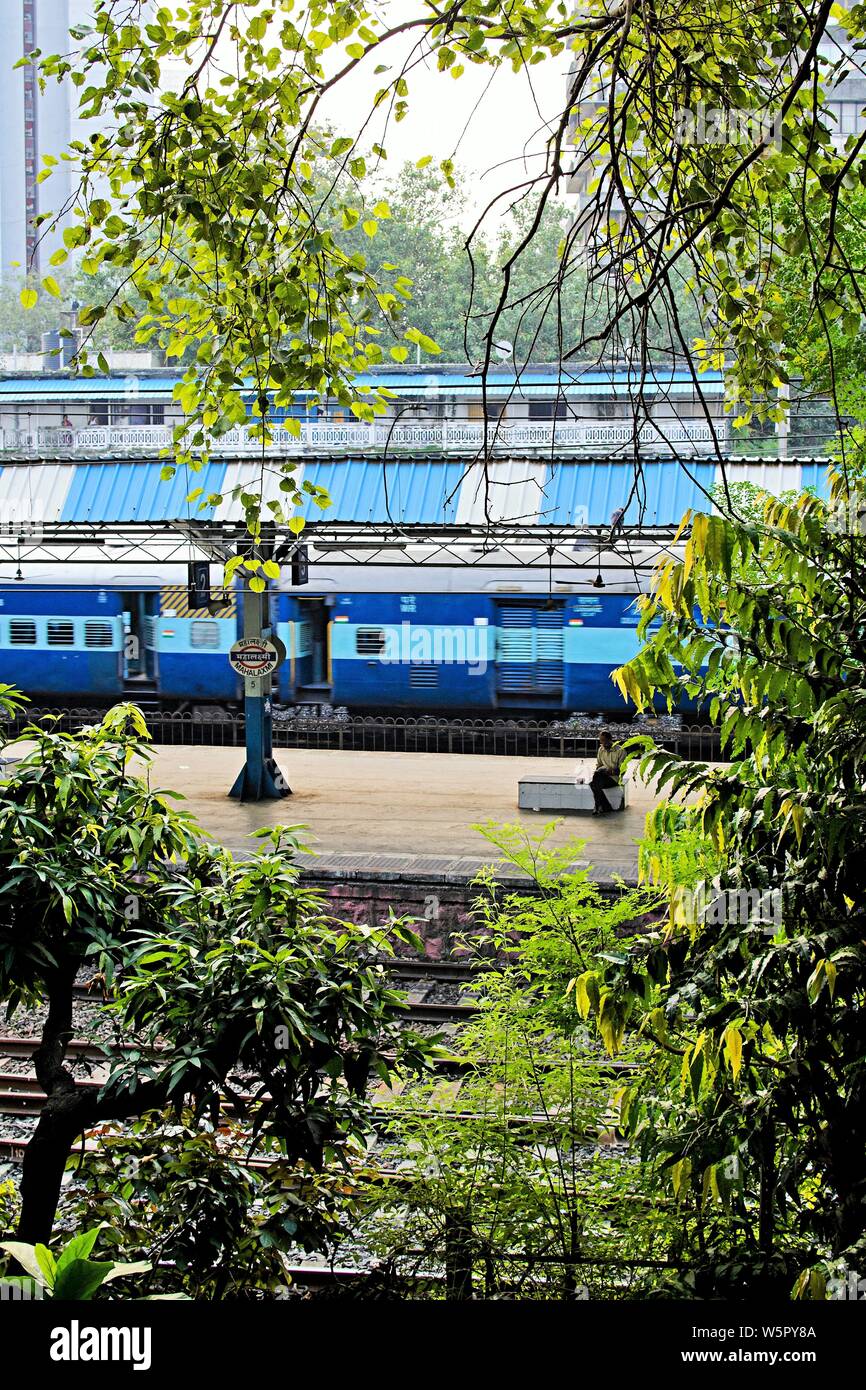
<point>416,1010</point>
<point>22,1098</point>
<point>435,972</point>
<point>21,1095</point>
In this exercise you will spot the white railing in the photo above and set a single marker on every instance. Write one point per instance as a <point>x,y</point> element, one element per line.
<point>444,436</point>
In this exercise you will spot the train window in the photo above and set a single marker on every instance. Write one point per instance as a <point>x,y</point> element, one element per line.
<point>61,633</point>
<point>22,632</point>
<point>204,634</point>
<point>369,641</point>
<point>97,634</point>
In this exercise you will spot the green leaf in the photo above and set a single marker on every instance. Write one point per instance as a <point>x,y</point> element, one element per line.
<point>78,1248</point>
<point>80,1279</point>
<point>26,1256</point>
<point>47,1263</point>
<point>29,297</point>
<point>123,1271</point>
<point>414,335</point>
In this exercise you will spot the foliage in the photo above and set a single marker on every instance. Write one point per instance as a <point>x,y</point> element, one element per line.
<point>79,832</point>
<point>10,1205</point>
<point>72,1275</point>
<point>24,331</point>
<point>233,981</point>
<point>824,338</point>
<point>245,973</point>
<point>186,1199</point>
<point>11,700</point>
<point>753,995</point>
<point>515,1166</point>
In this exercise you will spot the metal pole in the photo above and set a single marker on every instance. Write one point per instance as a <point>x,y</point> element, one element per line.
<point>259,779</point>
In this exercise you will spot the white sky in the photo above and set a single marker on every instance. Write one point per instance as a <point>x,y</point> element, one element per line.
<point>489,121</point>
<point>505,131</point>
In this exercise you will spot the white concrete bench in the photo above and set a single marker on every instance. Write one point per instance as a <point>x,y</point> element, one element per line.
<point>564,794</point>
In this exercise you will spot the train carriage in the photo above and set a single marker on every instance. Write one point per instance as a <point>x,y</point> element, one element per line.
<point>456,652</point>
<point>66,635</point>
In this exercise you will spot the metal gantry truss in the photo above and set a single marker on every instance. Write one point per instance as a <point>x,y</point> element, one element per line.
<point>499,545</point>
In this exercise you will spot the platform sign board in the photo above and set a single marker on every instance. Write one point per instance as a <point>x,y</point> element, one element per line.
<point>254,656</point>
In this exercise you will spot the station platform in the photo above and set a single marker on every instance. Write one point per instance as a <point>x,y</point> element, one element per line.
<point>398,814</point>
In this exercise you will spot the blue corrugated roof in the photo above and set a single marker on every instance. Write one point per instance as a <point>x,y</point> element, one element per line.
<point>592,492</point>
<point>363,490</point>
<point>542,383</point>
<point>422,383</point>
<point>135,492</point>
<point>406,490</point>
<point>93,387</point>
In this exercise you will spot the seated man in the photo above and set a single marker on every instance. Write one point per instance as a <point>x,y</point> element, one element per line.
<point>607,772</point>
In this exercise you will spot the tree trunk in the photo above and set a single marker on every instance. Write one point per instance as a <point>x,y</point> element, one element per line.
<point>46,1154</point>
<point>44,1161</point>
<point>766,1209</point>
<point>68,1112</point>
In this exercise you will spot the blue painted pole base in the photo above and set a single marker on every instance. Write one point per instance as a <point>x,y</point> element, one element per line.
<point>260,780</point>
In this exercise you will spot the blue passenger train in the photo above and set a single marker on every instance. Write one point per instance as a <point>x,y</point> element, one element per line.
<point>65,639</point>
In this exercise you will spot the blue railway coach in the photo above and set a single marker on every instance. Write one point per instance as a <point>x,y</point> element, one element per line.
<point>444,653</point>
<point>69,644</point>
<point>472,652</point>
<point>113,640</point>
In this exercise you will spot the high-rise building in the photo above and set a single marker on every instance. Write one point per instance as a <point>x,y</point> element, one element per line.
<point>34,123</point>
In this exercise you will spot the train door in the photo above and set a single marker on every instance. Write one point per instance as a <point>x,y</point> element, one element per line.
<point>312,650</point>
<point>139,658</point>
<point>530,651</point>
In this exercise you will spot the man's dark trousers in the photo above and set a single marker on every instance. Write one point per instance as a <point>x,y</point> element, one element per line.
<point>600,780</point>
